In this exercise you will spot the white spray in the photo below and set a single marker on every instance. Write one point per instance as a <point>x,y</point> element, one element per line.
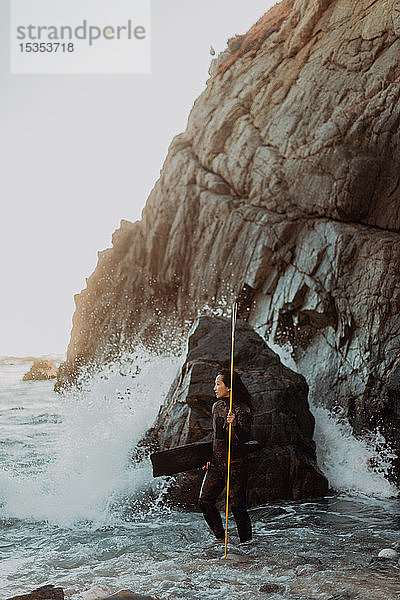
<point>358,466</point>
<point>89,470</point>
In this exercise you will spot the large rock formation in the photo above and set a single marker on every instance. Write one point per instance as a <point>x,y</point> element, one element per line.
<point>283,192</point>
<point>286,468</point>
<point>41,369</point>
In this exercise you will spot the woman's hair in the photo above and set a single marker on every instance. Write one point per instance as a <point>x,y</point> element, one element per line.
<point>240,391</point>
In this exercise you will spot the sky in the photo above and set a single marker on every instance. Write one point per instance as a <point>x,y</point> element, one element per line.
<point>80,152</point>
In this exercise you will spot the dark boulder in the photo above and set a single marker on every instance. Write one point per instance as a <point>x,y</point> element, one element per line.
<point>46,592</point>
<point>272,588</point>
<point>286,468</point>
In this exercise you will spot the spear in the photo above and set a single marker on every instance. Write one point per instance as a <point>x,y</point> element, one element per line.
<point>234,313</point>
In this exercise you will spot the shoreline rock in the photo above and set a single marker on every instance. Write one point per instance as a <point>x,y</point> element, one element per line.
<point>286,468</point>
<point>45,592</point>
<point>41,370</point>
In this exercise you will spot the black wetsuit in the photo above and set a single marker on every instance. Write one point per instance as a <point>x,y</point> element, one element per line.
<point>215,478</point>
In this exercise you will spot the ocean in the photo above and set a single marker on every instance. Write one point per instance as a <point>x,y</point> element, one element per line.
<point>76,512</point>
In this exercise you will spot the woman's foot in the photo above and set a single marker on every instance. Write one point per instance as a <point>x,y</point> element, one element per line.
<point>246,542</point>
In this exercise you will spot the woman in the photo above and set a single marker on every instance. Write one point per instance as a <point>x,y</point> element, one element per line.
<point>215,478</point>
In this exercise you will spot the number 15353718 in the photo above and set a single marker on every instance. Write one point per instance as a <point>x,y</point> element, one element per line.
<point>46,47</point>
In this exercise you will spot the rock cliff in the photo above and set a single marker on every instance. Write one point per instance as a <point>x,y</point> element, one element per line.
<point>283,192</point>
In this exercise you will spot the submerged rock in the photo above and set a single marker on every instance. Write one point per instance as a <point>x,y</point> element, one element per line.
<point>128,595</point>
<point>306,565</point>
<point>286,468</point>
<point>272,588</point>
<point>266,514</point>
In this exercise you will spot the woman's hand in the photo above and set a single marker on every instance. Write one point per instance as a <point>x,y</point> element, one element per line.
<point>206,465</point>
<point>231,418</point>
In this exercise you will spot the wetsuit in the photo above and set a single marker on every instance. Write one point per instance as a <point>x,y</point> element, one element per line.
<point>215,478</point>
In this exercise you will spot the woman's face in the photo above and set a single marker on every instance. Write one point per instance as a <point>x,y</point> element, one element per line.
<point>220,389</point>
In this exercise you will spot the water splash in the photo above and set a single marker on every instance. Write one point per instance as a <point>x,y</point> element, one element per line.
<point>354,465</point>
<point>88,473</point>
<point>351,464</point>
<point>218,308</point>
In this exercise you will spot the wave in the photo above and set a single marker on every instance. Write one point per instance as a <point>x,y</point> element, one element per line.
<point>89,475</point>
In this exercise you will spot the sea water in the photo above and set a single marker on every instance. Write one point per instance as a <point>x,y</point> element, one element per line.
<point>76,512</point>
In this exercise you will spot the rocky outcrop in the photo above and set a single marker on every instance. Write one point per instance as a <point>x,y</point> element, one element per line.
<point>15,360</point>
<point>283,424</point>
<point>283,192</point>
<point>46,592</point>
<point>41,369</point>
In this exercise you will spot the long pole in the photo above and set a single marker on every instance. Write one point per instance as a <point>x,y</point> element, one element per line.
<point>234,313</point>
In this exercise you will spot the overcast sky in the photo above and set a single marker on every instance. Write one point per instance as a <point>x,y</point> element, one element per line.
<point>81,152</point>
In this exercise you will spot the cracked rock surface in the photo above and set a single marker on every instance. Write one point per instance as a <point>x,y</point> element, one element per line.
<point>286,467</point>
<point>284,192</point>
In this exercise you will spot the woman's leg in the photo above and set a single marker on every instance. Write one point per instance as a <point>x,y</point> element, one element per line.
<point>238,490</point>
<point>213,484</point>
